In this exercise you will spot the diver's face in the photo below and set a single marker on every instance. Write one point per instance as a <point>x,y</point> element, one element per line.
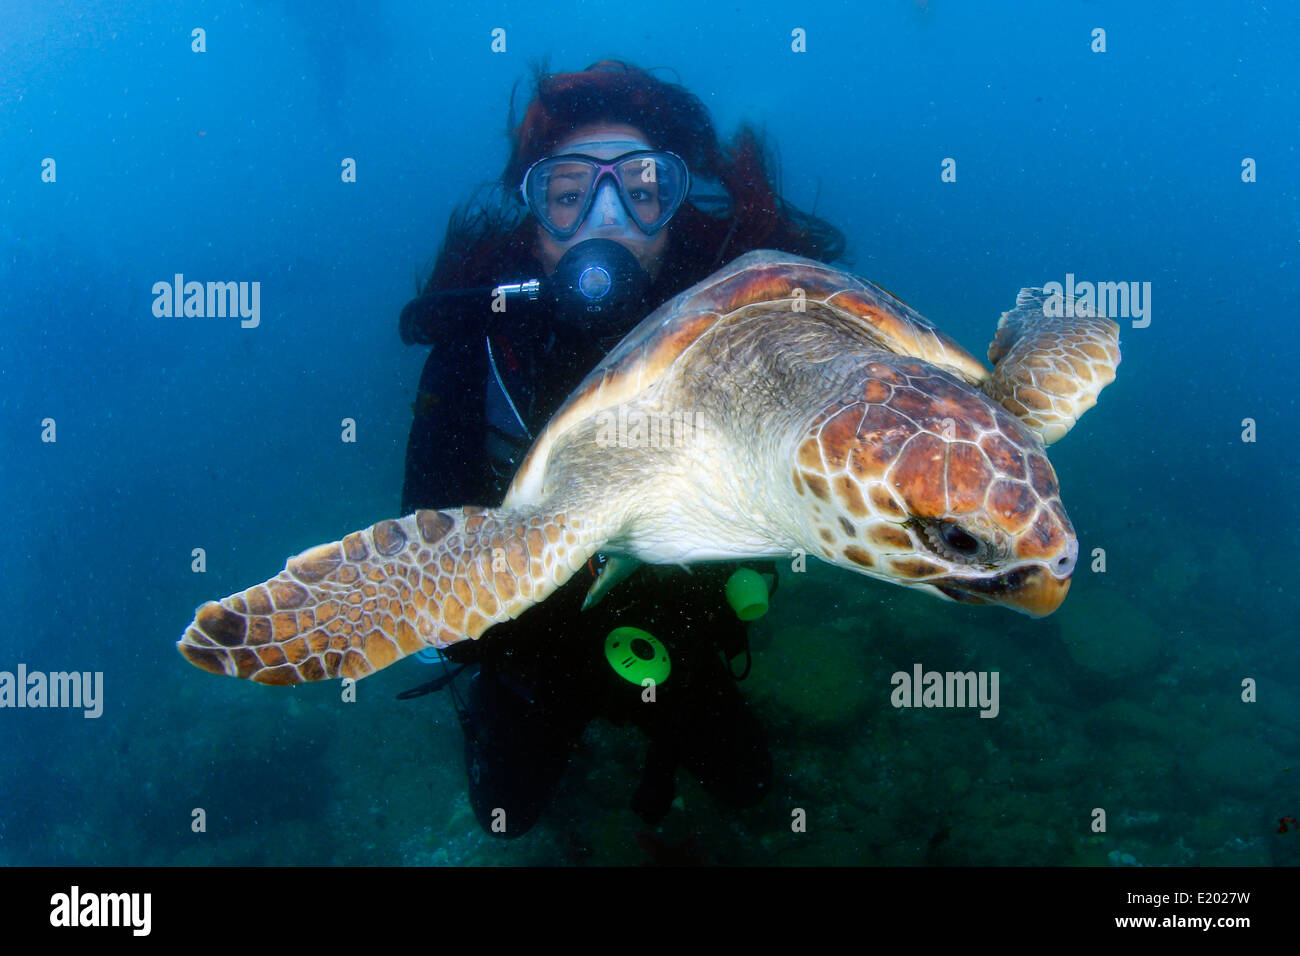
<point>607,219</point>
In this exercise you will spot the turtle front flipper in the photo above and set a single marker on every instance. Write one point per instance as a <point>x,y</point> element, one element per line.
<point>1050,364</point>
<point>352,607</point>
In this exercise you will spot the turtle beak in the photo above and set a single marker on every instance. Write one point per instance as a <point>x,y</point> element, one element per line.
<point>1040,593</point>
<point>1030,589</point>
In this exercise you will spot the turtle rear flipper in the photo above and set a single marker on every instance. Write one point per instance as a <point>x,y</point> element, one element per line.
<point>352,607</point>
<point>1049,365</point>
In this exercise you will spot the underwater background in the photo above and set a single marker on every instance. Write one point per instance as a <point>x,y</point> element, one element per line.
<point>175,433</point>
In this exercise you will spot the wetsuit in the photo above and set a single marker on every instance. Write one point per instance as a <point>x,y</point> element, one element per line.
<point>489,385</point>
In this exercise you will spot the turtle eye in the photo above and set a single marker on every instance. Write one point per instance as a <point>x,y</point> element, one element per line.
<point>959,540</point>
<point>954,543</point>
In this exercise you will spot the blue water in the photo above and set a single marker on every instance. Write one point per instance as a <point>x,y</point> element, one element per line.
<point>175,434</point>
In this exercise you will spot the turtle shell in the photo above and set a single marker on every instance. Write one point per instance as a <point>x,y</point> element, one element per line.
<point>760,278</point>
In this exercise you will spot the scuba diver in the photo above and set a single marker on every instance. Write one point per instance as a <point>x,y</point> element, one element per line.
<point>617,195</point>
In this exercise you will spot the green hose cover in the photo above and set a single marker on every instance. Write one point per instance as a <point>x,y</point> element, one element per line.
<point>747,594</point>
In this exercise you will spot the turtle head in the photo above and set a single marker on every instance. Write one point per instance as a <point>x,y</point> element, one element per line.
<point>914,477</point>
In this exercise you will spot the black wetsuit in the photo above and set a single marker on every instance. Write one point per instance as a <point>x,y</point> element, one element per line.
<point>488,386</point>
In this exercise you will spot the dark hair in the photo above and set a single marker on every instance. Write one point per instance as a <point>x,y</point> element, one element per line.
<point>734,205</point>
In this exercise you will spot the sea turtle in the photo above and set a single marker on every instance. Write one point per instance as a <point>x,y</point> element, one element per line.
<point>779,407</point>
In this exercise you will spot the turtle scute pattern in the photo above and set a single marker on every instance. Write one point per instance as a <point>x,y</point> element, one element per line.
<point>352,607</point>
<point>762,283</point>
